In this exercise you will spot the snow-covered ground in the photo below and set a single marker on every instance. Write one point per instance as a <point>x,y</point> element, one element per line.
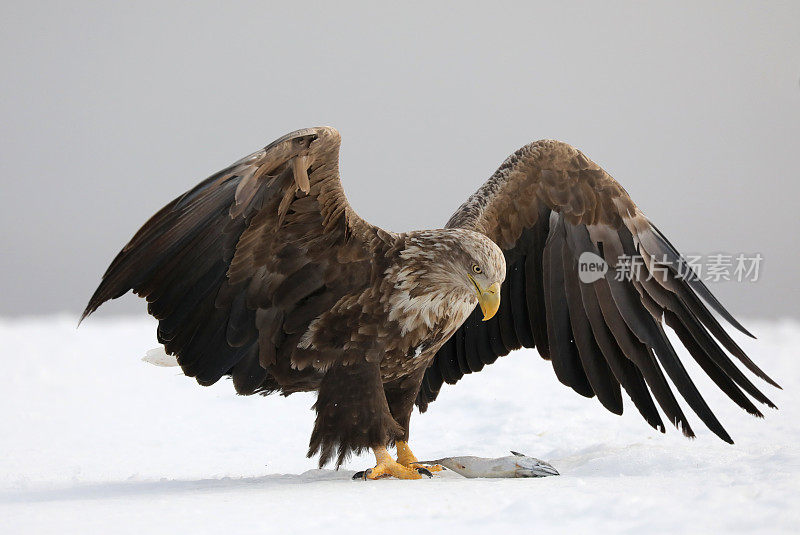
<point>96,441</point>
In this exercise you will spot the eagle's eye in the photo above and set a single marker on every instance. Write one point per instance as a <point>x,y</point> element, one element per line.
<point>476,269</point>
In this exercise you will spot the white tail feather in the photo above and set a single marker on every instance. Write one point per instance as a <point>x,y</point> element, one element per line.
<point>159,357</point>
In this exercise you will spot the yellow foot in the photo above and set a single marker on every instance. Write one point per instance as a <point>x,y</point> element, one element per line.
<point>406,457</point>
<point>386,467</point>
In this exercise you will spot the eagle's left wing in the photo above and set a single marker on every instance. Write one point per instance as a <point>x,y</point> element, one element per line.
<point>548,206</point>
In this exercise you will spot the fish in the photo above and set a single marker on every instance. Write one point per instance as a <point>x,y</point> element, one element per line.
<point>514,465</point>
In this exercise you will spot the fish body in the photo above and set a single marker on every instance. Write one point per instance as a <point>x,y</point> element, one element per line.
<point>515,465</point>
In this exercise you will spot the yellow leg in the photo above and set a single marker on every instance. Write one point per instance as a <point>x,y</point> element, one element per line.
<point>406,457</point>
<point>386,466</point>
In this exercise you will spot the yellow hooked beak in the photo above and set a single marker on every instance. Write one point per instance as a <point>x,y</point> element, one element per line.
<point>488,299</point>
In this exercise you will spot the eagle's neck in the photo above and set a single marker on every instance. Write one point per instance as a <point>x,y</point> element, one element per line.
<point>419,304</point>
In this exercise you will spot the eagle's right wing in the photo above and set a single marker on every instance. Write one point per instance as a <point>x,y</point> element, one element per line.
<point>236,268</point>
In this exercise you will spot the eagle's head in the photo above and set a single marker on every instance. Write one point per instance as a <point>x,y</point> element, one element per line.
<point>458,261</point>
<point>484,265</point>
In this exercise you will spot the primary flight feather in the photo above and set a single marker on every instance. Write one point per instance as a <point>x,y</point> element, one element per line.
<point>264,273</point>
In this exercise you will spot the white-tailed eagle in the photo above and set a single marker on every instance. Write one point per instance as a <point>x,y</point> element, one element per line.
<point>264,273</point>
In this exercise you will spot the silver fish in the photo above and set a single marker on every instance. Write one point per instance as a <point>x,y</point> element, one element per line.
<point>515,465</point>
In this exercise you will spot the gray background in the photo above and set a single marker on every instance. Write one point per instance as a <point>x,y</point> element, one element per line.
<point>110,110</point>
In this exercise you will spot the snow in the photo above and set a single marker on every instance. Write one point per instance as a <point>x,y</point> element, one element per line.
<point>95,440</point>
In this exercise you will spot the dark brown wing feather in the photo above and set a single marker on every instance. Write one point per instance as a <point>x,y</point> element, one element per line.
<point>236,268</point>
<point>545,206</point>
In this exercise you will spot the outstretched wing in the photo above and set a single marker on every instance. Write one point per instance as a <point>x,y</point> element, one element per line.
<point>547,205</point>
<point>236,268</point>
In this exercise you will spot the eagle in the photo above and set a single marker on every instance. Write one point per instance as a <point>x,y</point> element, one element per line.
<point>264,273</point>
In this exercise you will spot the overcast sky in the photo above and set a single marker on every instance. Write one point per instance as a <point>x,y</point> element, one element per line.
<point>111,110</point>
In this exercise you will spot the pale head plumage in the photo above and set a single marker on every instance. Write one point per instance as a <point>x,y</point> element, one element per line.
<point>436,276</point>
<point>447,258</point>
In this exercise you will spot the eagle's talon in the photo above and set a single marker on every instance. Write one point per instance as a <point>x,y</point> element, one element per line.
<point>429,467</point>
<point>361,474</point>
<point>387,467</point>
<point>407,458</point>
<point>424,471</point>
